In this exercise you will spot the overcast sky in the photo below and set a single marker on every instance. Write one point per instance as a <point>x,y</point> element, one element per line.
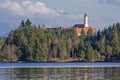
<point>55,13</point>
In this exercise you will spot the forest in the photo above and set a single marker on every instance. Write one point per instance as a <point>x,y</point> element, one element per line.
<point>41,44</point>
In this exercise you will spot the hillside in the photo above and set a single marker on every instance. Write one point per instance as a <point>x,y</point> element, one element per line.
<point>37,43</point>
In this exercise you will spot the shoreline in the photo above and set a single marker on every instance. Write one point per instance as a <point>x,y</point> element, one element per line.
<point>62,62</point>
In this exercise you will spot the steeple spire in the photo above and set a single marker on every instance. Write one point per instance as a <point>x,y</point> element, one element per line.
<point>85,20</point>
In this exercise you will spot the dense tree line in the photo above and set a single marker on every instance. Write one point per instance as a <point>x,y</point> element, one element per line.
<point>38,43</point>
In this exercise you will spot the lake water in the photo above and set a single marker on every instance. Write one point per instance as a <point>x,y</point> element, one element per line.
<point>60,71</point>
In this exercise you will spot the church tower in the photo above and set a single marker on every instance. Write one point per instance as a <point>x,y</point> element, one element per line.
<point>85,20</point>
<point>85,26</point>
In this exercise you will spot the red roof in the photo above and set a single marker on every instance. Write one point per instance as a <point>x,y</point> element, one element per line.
<point>78,30</point>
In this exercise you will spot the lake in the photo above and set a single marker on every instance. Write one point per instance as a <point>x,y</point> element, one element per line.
<point>60,71</point>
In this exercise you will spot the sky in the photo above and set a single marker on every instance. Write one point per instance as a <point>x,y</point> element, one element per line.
<point>56,13</point>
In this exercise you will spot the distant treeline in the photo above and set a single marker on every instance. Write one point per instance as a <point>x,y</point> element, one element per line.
<point>38,43</point>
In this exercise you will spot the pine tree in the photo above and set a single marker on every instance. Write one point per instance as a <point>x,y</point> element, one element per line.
<point>28,23</point>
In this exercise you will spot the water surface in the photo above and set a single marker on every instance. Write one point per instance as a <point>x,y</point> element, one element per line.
<point>66,71</point>
<point>59,65</point>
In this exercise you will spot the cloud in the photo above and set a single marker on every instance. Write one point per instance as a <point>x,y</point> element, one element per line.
<point>12,12</point>
<point>5,4</point>
<point>37,8</point>
<point>27,7</point>
<point>115,2</point>
<point>16,8</point>
<point>12,7</point>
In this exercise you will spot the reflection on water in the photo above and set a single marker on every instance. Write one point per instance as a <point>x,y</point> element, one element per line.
<point>60,74</point>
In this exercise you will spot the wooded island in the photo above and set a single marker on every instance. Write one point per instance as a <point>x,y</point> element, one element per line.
<point>41,44</point>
